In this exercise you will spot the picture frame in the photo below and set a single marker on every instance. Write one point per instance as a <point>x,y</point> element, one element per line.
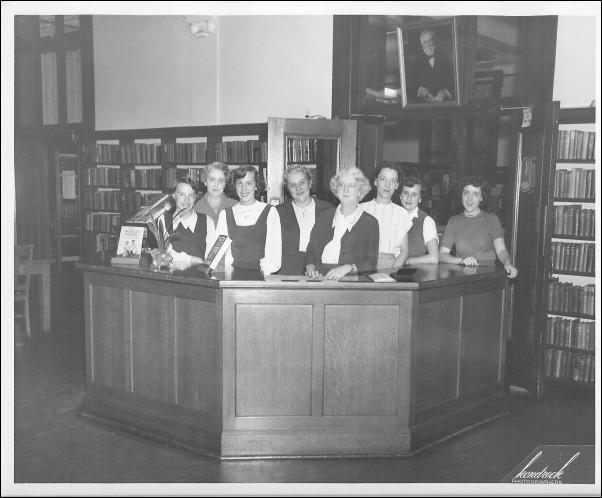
<point>425,83</point>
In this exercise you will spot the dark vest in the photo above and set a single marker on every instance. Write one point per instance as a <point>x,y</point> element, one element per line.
<point>293,260</point>
<point>416,245</point>
<point>184,240</point>
<point>248,243</point>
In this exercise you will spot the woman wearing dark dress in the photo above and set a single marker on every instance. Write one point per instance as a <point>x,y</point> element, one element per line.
<point>345,239</point>
<point>190,233</point>
<point>297,217</point>
<point>253,227</point>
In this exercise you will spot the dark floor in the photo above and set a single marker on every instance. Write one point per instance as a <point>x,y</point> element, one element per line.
<point>54,444</point>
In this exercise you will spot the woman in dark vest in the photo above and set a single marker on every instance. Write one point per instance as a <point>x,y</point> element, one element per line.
<point>423,242</point>
<point>345,239</point>
<point>297,217</point>
<point>189,232</point>
<point>253,227</point>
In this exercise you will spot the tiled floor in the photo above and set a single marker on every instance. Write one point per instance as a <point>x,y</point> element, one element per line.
<point>55,444</point>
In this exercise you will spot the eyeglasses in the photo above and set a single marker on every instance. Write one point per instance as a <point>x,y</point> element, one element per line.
<point>216,181</point>
<point>390,181</point>
<point>410,195</point>
<point>345,186</point>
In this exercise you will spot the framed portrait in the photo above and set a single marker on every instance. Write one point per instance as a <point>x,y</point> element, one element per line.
<point>428,64</point>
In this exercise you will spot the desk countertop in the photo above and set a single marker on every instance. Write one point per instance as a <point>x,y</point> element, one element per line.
<point>426,276</point>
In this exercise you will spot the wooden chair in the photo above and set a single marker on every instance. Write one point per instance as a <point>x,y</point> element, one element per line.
<point>23,257</point>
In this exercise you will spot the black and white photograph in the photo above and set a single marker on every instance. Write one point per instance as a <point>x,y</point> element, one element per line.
<point>428,63</point>
<point>301,248</point>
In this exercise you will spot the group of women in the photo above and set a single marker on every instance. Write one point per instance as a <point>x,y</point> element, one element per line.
<point>306,235</point>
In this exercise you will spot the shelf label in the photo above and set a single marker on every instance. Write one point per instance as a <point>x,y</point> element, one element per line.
<point>68,184</point>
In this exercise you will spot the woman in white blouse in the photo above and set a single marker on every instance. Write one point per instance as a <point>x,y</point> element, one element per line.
<point>253,227</point>
<point>393,220</point>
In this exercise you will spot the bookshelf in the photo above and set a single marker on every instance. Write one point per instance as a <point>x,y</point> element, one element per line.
<point>322,145</point>
<point>123,170</point>
<point>569,335</point>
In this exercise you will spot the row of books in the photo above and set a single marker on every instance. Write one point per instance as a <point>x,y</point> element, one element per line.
<point>573,256</point>
<point>235,151</point>
<point>248,151</point>
<point>134,200</point>
<point>103,199</point>
<point>99,242</point>
<point>301,150</point>
<point>109,176</point>
<point>102,222</point>
<point>570,298</point>
<point>185,152</point>
<point>144,178</point>
<point>570,333</point>
<point>576,183</point>
<point>576,144</point>
<point>572,219</point>
<point>194,174</point>
<point>102,153</point>
<point>569,365</point>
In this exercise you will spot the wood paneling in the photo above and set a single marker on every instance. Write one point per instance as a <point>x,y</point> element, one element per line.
<point>480,341</point>
<point>196,355</point>
<point>109,337</point>
<point>436,351</point>
<point>273,359</point>
<point>153,346</point>
<point>360,359</point>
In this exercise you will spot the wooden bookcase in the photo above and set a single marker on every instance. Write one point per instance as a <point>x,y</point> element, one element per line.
<point>569,332</point>
<point>122,170</point>
<point>125,169</point>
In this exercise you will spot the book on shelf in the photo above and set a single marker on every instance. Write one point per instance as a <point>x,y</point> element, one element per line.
<point>129,247</point>
<point>576,144</point>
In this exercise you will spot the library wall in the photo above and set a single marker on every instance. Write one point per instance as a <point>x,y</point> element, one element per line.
<point>149,72</point>
<point>575,69</point>
<point>254,67</point>
<point>278,66</point>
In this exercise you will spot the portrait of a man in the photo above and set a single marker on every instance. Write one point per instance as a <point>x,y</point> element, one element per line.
<point>428,64</point>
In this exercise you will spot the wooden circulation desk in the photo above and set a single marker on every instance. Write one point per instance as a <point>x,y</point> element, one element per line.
<point>251,368</point>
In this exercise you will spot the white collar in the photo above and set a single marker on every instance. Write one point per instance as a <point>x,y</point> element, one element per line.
<point>414,213</point>
<point>189,222</point>
<point>299,208</point>
<point>349,220</point>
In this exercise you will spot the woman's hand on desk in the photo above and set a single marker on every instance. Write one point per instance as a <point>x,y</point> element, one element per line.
<point>338,272</point>
<point>469,261</point>
<point>311,272</point>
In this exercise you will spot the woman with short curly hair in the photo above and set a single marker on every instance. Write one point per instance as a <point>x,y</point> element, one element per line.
<point>345,239</point>
<point>215,177</point>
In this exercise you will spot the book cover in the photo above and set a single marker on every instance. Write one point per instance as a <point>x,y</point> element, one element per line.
<point>591,144</point>
<point>129,247</point>
<point>217,251</point>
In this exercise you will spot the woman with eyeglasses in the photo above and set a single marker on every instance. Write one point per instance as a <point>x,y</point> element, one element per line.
<point>345,239</point>
<point>297,217</point>
<point>393,220</point>
<point>214,201</point>
<point>253,227</point>
<point>477,236</point>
